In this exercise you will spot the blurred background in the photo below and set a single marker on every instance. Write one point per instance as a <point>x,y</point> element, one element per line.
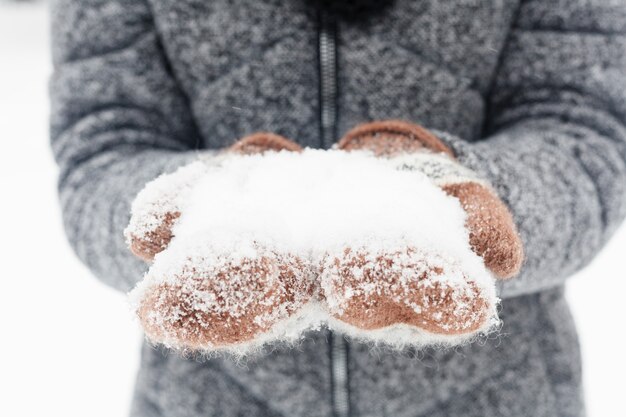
<point>69,345</point>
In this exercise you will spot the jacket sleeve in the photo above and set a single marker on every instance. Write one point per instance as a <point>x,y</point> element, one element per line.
<point>118,120</point>
<point>555,146</point>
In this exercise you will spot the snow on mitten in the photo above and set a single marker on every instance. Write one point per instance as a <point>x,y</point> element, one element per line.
<point>203,297</point>
<point>200,295</point>
<point>409,288</point>
<point>410,295</point>
<point>493,234</point>
<point>157,207</point>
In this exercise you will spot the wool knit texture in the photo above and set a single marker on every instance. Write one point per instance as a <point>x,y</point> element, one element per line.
<point>529,93</point>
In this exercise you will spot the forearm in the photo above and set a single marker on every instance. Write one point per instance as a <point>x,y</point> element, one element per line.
<point>118,120</point>
<point>96,197</point>
<point>554,143</point>
<point>565,185</point>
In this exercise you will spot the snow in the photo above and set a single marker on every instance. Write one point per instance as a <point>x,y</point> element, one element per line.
<point>79,346</point>
<point>439,167</point>
<point>313,205</point>
<point>163,196</point>
<point>318,201</point>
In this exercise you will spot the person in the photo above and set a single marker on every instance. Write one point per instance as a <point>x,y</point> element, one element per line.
<point>528,93</point>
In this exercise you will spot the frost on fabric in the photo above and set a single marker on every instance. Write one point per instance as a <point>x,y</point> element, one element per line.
<point>440,168</point>
<point>199,296</point>
<point>265,247</point>
<point>425,292</point>
<point>161,198</point>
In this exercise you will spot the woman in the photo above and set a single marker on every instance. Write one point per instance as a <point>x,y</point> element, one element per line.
<point>528,93</point>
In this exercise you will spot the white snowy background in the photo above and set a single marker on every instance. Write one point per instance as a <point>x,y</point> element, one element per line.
<point>68,344</point>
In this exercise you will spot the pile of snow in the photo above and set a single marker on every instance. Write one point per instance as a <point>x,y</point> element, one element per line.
<point>315,201</point>
<point>310,204</point>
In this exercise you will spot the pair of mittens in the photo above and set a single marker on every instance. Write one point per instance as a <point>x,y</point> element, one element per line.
<point>199,296</point>
<point>411,288</point>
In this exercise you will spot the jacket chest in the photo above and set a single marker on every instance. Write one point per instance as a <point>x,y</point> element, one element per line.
<point>235,61</point>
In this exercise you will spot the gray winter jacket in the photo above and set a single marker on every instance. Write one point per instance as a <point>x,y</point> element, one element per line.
<point>529,93</point>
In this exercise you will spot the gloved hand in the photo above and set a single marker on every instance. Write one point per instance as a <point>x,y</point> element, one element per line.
<point>369,289</point>
<point>197,296</point>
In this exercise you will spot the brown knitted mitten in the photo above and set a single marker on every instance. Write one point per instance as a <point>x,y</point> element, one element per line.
<point>408,285</point>
<point>196,296</point>
<point>157,208</point>
<point>374,289</point>
<point>493,234</point>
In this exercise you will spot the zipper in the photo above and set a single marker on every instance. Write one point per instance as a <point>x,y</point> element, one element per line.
<point>328,79</point>
<point>328,134</point>
<point>339,375</point>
